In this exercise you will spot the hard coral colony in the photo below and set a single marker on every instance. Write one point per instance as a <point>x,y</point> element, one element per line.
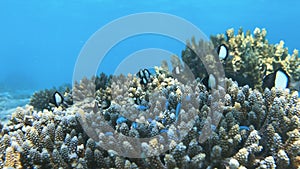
<point>257,129</point>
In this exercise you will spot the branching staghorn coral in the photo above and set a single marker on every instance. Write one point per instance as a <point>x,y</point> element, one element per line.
<point>251,57</point>
<point>249,135</point>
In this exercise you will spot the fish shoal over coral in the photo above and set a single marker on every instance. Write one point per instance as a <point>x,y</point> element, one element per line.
<point>257,128</point>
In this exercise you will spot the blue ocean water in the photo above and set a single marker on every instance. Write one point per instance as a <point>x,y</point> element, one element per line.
<point>40,40</point>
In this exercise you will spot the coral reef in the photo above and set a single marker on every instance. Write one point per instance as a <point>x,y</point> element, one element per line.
<point>251,57</point>
<point>170,121</point>
<point>257,130</point>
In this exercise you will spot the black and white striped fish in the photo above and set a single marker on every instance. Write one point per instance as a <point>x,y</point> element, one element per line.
<point>280,80</point>
<point>145,76</point>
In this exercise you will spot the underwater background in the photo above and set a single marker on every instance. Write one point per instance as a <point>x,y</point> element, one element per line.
<point>40,41</point>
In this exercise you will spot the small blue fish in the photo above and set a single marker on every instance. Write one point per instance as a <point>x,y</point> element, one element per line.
<point>178,107</point>
<point>153,123</point>
<point>163,131</point>
<point>121,120</point>
<point>163,121</point>
<point>244,128</point>
<point>213,127</point>
<point>108,134</point>
<point>167,105</point>
<point>134,125</point>
<point>139,105</point>
<point>188,98</point>
<point>157,118</point>
<point>142,107</point>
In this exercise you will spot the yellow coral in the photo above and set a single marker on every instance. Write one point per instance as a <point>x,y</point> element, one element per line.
<point>12,158</point>
<point>253,57</point>
<point>153,143</point>
<point>296,162</point>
